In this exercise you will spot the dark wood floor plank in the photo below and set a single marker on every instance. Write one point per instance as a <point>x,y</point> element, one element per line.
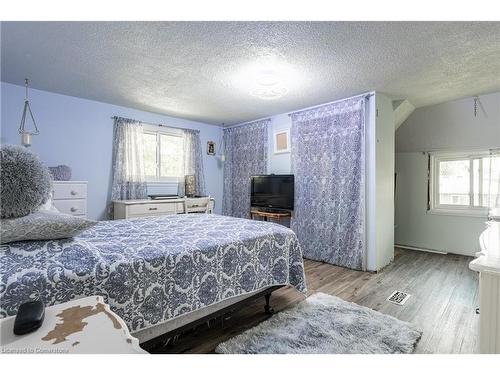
<point>444,297</point>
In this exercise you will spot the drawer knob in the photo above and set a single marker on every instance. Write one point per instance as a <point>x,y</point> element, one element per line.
<point>153,208</point>
<point>73,209</point>
<point>74,192</point>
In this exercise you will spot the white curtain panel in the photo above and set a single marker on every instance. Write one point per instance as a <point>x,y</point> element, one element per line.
<point>494,182</point>
<point>328,161</point>
<point>128,160</point>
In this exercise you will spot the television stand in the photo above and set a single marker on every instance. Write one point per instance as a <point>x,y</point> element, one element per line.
<point>265,215</point>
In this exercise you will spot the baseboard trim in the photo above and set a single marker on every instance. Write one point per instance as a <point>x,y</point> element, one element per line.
<point>420,249</point>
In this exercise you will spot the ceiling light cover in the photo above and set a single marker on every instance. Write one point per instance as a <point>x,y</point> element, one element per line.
<point>269,93</point>
<point>267,77</point>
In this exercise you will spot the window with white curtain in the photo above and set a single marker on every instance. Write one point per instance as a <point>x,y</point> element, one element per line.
<point>463,183</point>
<point>163,153</point>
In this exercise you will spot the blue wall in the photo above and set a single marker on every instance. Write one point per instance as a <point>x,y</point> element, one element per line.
<point>78,132</point>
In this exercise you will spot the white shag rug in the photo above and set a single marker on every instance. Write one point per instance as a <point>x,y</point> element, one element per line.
<point>324,324</point>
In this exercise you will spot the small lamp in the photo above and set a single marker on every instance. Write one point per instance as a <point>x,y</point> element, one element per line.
<point>190,185</point>
<point>26,136</point>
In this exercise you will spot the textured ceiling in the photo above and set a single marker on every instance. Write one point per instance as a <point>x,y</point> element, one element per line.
<point>196,70</point>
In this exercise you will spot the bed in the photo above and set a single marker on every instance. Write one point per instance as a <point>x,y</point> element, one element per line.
<point>157,273</point>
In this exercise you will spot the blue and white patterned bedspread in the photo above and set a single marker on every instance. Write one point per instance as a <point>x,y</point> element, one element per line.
<point>153,269</point>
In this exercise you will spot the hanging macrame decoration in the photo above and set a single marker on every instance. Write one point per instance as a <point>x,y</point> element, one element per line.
<point>26,134</point>
<point>222,155</point>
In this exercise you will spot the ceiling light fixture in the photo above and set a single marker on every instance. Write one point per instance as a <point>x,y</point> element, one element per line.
<point>267,78</point>
<point>269,86</point>
<point>269,93</point>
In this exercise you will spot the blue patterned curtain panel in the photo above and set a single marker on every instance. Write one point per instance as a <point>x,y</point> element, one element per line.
<point>193,161</point>
<point>246,149</point>
<point>328,160</point>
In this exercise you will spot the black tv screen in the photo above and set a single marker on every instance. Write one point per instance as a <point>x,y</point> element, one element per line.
<point>273,191</point>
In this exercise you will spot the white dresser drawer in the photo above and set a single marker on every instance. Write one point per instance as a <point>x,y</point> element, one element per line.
<point>152,209</point>
<point>127,209</point>
<point>69,190</point>
<point>71,206</point>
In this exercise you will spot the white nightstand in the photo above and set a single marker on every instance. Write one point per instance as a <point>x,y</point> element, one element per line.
<point>85,325</point>
<point>70,197</point>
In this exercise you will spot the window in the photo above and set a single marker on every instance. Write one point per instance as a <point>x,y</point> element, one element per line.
<point>163,154</point>
<point>461,184</point>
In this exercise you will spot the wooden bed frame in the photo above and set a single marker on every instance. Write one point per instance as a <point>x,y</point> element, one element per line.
<point>168,338</point>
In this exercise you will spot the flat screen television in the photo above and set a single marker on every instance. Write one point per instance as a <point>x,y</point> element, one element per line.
<point>274,191</point>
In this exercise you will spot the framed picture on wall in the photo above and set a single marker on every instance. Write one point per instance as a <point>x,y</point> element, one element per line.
<point>282,141</point>
<point>211,148</point>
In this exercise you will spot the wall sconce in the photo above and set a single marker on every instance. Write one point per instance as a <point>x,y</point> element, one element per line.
<point>26,136</point>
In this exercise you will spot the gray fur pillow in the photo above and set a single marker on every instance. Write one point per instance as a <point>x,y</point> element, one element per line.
<point>42,225</point>
<point>25,183</point>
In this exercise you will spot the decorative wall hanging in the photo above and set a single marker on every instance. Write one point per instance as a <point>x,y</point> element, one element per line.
<point>282,141</point>
<point>26,135</point>
<point>211,148</point>
<point>477,104</point>
<point>222,155</point>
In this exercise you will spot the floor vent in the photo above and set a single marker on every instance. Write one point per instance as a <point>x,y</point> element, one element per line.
<point>399,298</point>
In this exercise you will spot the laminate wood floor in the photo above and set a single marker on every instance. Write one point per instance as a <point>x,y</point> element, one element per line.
<point>444,296</point>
